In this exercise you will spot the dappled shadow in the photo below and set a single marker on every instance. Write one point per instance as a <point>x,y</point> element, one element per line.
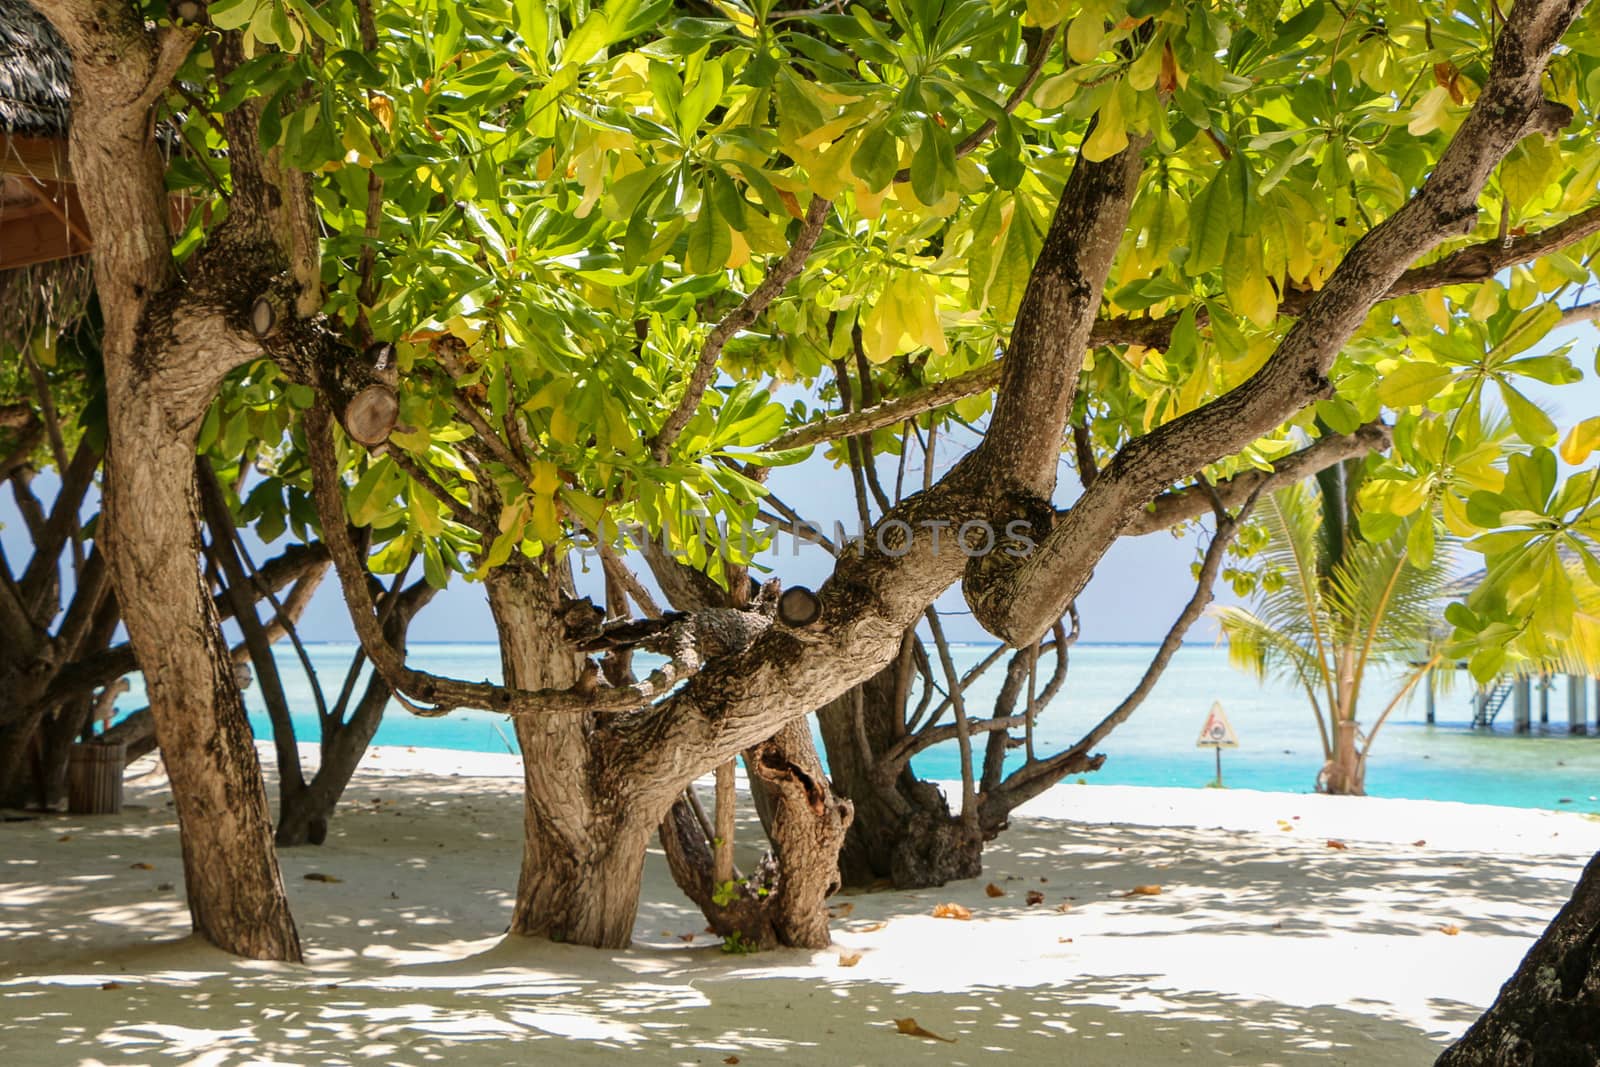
<point>1258,949</point>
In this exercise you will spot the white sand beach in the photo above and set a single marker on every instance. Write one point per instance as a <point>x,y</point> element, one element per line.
<point>1265,945</point>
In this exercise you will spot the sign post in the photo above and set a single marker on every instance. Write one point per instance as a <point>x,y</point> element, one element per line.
<point>1217,734</point>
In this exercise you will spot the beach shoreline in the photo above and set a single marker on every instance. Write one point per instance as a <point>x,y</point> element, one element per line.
<point>1289,928</point>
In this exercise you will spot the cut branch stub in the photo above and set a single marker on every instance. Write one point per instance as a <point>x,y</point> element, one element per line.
<point>799,607</point>
<point>188,12</point>
<point>363,392</point>
<point>265,315</point>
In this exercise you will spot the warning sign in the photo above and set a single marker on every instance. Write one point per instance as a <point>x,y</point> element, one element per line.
<point>1217,732</point>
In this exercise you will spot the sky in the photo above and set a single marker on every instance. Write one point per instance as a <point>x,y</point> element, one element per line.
<point>1137,590</point>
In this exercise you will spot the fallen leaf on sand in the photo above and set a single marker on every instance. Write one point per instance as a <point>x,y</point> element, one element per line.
<point>950,911</point>
<point>163,887</point>
<point>841,911</point>
<point>1418,843</point>
<point>140,867</point>
<point>1451,930</point>
<point>110,985</point>
<point>993,890</point>
<point>1335,843</point>
<point>909,1026</point>
<point>685,937</point>
<point>1063,907</point>
<point>731,1060</point>
<point>1144,891</point>
<point>1063,940</point>
<point>64,837</point>
<point>1035,897</point>
<point>318,876</point>
<point>849,959</point>
<point>870,928</point>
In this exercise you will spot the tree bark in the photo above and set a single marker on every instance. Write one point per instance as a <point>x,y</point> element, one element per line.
<point>150,533</point>
<point>804,821</point>
<point>903,830</point>
<point>1548,1013</point>
<point>583,843</point>
<point>1345,774</point>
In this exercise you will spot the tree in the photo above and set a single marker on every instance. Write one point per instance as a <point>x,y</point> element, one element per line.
<point>1330,605</point>
<point>574,220</point>
<point>1185,422</point>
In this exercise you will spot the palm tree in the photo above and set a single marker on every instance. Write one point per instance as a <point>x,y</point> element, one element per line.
<point>1329,604</point>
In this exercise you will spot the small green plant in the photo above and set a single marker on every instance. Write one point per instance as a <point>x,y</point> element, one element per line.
<point>735,944</point>
<point>726,893</point>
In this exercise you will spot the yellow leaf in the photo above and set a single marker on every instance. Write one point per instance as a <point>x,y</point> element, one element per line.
<point>741,251</point>
<point>1581,440</point>
<point>563,427</point>
<point>909,1027</point>
<point>544,519</point>
<point>382,109</point>
<point>1144,891</point>
<point>951,911</point>
<point>1110,134</point>
<point>1086,33</point>
<point>546,477</point>
<point>849,959</point>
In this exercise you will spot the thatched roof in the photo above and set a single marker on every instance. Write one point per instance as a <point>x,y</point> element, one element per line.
<point>35,74</point>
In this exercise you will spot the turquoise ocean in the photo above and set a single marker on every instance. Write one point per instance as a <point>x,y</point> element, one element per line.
<point>1278,747</point>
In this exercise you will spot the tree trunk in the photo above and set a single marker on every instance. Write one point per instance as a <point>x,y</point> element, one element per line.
<point>808,830</point>
<point>784,901</point>
<point>149,531</point>
<point>19,780</point>
<point>903,832</point>
<point>1548,1014</point>
<point>583,843</point>
<point>1345,773</point>
<point>305,816</point>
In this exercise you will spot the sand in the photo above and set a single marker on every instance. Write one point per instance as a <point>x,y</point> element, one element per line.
<point>1264,946</point>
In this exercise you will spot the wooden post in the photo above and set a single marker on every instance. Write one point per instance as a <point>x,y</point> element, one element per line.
<point>1522,704</point>
<point>1577,705</point>
<point>94,778</point>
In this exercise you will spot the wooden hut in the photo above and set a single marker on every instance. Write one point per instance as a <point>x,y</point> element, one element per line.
<point>40,217</point>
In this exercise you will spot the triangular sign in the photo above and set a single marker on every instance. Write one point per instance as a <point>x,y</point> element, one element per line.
<point>1217,732</point>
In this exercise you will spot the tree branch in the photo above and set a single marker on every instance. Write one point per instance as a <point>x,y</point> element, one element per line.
<point>784,271</point>
<point>1016,600</point>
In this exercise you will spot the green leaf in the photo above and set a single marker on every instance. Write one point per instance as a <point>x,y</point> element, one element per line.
<point>1527,418</point>
<point>1413,384</point>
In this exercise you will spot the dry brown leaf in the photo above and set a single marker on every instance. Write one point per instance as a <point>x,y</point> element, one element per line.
<point>1034,897</point>
<point>870,928</point>
<point>64,837</point>
<point>951,911</point>
<point>841,911</point>
<point>1063,940</point>
<point>731,1060</point>
<point>318,876</point>
<point>140,867</point>
<point>993,890</point>
<point>849,959</point>
<point>110,985</point>
<point>1144,891</point>
<point>1335,843</point>
<point>685,937</point>
<point>1418,843</point>
<point>1450,929</point>
<point>909,1026</point>
<point>1063,907</point>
